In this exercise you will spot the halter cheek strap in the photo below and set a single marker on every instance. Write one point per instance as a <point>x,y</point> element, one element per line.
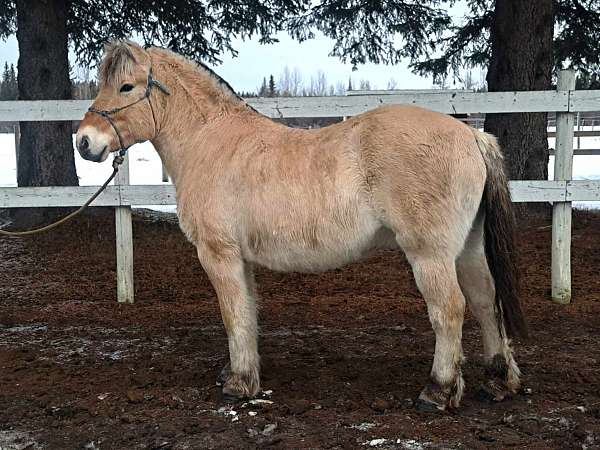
<point>109,114</point>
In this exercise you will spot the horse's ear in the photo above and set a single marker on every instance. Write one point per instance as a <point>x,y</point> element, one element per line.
<point>108,45</point>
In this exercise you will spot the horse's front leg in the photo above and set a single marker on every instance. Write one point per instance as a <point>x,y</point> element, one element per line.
<point>234,285</point>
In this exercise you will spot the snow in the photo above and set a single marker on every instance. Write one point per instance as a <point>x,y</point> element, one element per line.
<point>8,162</point>
<point>145,167</point>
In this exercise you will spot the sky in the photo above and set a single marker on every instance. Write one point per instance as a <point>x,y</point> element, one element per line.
<point>255,61</point>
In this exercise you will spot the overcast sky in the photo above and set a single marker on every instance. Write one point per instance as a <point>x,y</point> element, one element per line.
<point>255,61</point>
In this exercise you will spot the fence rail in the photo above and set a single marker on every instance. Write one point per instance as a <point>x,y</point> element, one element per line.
<point>561,191</point>
<point>138,195</point>
<point>338,106</point>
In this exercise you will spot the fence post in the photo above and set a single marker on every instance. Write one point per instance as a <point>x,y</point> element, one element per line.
<point>165,175</point>
<point>124,237</point>
<point>561,212</point>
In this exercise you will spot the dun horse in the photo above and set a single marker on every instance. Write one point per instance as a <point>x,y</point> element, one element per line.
<point>252,191</point>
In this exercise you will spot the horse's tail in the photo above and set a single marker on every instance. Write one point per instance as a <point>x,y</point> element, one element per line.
<point>500,245</point>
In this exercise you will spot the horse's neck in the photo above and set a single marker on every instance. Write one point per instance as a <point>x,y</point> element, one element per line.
<point>193,104</point>
<point>171,152</point>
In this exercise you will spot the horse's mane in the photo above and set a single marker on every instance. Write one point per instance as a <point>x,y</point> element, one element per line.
<point>223,83</point>
<point>119,60</point>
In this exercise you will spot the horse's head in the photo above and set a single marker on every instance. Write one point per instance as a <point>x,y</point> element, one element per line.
<point>126,109</point>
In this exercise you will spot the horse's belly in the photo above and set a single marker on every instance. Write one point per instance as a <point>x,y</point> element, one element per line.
<point>316,249</point>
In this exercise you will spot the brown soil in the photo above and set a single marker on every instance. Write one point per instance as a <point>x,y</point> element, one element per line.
<point>344,352</point>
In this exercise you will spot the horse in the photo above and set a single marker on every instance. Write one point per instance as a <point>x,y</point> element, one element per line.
<point>251,191</point>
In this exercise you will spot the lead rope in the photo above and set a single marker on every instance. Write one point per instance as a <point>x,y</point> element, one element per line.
<point>116,163</point>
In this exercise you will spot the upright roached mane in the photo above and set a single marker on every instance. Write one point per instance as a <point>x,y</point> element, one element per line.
<point>252,191</point>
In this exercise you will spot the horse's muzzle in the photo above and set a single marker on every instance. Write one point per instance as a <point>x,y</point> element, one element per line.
<point>92,146</point>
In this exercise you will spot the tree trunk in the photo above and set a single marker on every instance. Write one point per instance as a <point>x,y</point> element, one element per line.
<point>46,149</point>
<point>522,60</point>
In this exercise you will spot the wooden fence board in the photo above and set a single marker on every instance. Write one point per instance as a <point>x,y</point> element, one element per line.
<point>137,195</point>
<point>583,190</point>
<point>584,101</point>
<point>330,106</point>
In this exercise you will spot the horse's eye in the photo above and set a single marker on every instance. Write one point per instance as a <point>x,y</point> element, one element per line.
<point>126,88</point>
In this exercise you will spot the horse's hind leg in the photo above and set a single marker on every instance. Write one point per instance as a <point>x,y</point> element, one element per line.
<point>478,287</point>
<point>436,279</point>
<point>234,284</point>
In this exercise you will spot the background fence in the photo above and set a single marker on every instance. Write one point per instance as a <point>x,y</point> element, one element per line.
<point>566,102</point>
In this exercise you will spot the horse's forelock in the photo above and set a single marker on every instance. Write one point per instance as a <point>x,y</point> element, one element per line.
<point>119,60</point>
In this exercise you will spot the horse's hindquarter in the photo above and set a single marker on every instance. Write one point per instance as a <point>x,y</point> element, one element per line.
<point>426,175</point>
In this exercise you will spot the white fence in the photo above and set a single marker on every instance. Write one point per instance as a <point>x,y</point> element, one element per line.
<point>565,101</point>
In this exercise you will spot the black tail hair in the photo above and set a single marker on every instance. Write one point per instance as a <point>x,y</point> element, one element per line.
<point>500,238</point>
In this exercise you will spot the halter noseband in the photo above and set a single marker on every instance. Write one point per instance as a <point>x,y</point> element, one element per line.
<point>108,114</point>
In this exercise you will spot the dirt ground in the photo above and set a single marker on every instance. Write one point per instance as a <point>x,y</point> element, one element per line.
<point>345,353</point>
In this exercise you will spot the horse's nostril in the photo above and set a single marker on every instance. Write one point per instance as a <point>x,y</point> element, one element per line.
<point>84,144</point>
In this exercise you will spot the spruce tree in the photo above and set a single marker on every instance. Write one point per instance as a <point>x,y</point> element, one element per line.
<point>262,92</point>
<point>12,82</point>
<point>272,92</point>
<point>5,83</point>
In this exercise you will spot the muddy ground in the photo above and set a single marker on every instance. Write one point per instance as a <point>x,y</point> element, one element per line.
<point>345,353</point>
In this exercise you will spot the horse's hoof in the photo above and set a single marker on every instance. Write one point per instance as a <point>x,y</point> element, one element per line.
<point>230,399</point>
<point>492,392</point>
<point>484,394</point>
<point>242,386</point>
<point>434,398</point>
<point>427,407</point>
<point>223,375</point>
